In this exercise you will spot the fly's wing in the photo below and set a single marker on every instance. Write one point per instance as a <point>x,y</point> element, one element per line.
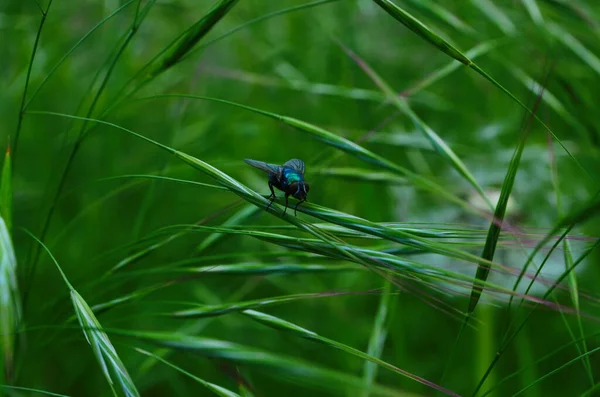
<point>295,164</point>
<point>266,167</point>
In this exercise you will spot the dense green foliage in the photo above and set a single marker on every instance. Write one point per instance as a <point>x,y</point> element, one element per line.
<point>136,255</point>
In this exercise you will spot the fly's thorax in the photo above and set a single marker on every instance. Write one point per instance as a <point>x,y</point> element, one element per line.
<point>291,176</point>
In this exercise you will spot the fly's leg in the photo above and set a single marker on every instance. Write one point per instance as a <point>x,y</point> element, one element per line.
<point>272,197</point>
<point>286,202</point>
<point>296,207</point>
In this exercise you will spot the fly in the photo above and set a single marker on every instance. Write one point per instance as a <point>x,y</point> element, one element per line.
<point>289,178</point>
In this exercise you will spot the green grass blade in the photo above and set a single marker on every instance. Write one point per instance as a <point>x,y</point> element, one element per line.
<point>495,228</point>
<point>75,46</point>
<point>422,31</point>
<point>428,35</point>
<point>278,323</point>
<point>190,38</point>
<point>495,15</point>
<point>200,311</point>
<point>313,375</point>
<point>6,191</point>
<point>28,389</point>
<point>10,303</point>
<point>218,390</point>
<point>436,142</point>
<point>378,337</point>
<point>29,69</point>
<point>338,142</point>
<point>237,219</point>
<point>575,45</point>
<point>105,353</point>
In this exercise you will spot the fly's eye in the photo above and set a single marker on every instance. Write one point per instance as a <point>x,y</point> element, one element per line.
<point>306,187</point>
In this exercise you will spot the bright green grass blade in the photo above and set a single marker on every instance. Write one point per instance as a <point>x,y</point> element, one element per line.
<point>534,11</point>
<point>574,292</point>
<point>495,15</point>
<point>218,390</point>
<point>238,218</point>
<point>360,175</point>
<point>190,38</point>
<point>538,361</point>
<point>105,353</point>
<point>475,52</point>
<point>575,45</point>
<point>323,213</point>
<point>422,31</point>
<point>6,191</point>
<point>254,268</point>
<point>257,20</point>
<point>199,311</point>
<point>436,142</point>
<point>491,241</point>
<point>283,367</point>
<point>578,215</point>
<point>28,389</point>
<point>280,324</point>
<point>558,369</point>
<point>425,33</point>
<point>444,15</point>
<point>508,338</point>
<point>338,142</point>
<point>75,46</point>
<point>10,304</point>
<point>495,228</point>
<point>378,337</point>
<point>29,69</point>
<point>548,98</point>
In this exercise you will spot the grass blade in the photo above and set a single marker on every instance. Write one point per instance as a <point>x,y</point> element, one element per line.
<point>105,353</point>
<point>428,35</point>
<point>218,390</point>
<point>10,302</point>
<point>436,142</point>
<point>277,323</point>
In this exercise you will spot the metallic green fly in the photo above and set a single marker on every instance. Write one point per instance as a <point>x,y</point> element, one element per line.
<point>288,178</point>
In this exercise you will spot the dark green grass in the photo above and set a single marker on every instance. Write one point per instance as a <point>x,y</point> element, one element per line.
<point>449,239</point>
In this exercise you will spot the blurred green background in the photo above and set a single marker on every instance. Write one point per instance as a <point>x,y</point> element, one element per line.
<point>123,240</point>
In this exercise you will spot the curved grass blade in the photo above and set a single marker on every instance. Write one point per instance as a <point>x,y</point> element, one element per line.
<point>281,366</point>
<point>477,51</point>
<point>280,324</point>
<point>218,390</point>
<point>575,45</point>
<point>378,337</point>
<point>422,31</point>
<point>361,175</point>
<point>496,225</point>
<point>343,219</point>
<point>436,142</point>
<point>534,11</point>
<point>428,35</point>
<point>98,339</point>
<point>509,338</point>
<point>29,389</point>
<point>495,15</point>
<point>29,69</point>
<point>190,38</point>
<point>200,311</point>
<point>337,142</point>
<point>444,15</point>
<point>559,368</point>
<point>237,218</point>
<point>75,46</point>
